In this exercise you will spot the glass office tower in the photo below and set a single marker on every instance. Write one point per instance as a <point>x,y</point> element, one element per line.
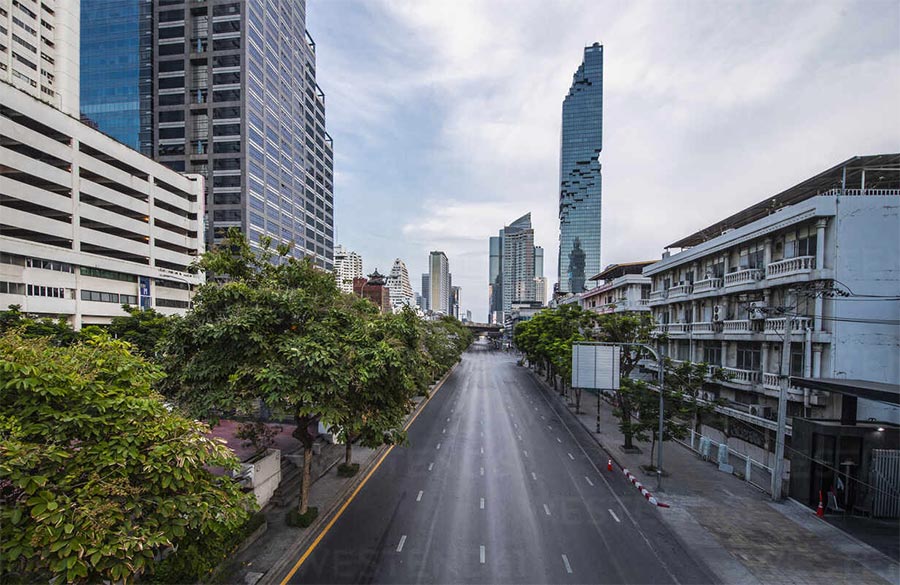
<point>116,69</point>
<point>237,101</point>
<point>579,174</point>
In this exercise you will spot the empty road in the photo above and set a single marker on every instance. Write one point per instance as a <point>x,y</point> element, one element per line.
<point>498,484</point>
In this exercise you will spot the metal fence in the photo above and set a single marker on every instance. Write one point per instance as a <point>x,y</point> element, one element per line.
<point>754,472</point>
<point>885,476</point>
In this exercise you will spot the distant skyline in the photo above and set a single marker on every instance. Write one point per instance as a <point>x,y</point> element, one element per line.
<point>446,116</point>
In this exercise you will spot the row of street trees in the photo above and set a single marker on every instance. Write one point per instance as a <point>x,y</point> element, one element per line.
<point>104,465</point>
<point>547,340</point>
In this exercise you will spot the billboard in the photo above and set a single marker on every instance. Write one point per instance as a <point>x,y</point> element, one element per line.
<point>595,366</point>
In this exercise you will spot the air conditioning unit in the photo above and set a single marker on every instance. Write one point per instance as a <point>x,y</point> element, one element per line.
<point>718,313</point>
<point>757,310</point>
<point>761,411</point>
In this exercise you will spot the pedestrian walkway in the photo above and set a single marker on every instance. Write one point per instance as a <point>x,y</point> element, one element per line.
<point>742,535</point>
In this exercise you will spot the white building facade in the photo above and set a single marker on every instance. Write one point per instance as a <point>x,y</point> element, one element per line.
<point>347,266</point>
<point>400,288</point>
<point>39,50</point>
<point>819,263</point>
<point>86,223</point>
<point>623,290</point>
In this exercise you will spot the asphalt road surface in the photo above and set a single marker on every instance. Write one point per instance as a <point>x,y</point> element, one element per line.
<point>498,486</point>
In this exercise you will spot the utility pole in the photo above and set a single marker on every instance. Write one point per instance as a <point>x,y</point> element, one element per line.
<point>784,379</point>
<point>661,360</point>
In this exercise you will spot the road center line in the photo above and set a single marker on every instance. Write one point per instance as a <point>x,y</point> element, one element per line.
<point>616,518</point>
<point>402,542</point>
<point>443,431</point>
<point>419,497</point>
<point>572,457</point>
<point>525,452</point>
<point>558,440</point>
<point>566,563</point>
<point>482,450</point>
<point>481,470</point>
<point>481,504</point>
<point>587,479</point>
<point>546,510</point>
<point>550,427</point>
<point>481,554</point>
<point>431,466</point>
<point>448,419</point>
<point>438,447</point>
<point>534,476</point>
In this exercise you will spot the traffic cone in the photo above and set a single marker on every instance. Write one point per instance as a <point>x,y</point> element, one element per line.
<point>820,511</point>
<point>609,465</point>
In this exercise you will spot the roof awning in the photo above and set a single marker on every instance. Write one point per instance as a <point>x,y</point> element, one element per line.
<point>878,391</point>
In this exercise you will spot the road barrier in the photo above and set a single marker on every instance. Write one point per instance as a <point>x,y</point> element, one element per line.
<point>647,495</point>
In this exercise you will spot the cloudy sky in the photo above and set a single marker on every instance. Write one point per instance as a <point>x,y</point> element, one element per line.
<point>446,116</point>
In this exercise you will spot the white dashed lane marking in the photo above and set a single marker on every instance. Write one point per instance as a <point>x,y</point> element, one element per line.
<point>546,509</point>
<point>566,563</point>
<point>481,554</point>
<point>402,542</point>
<point>587,479</point>
<point>572,457</point>
<point>430,466</point>
<point>613,514</point>
<point>419,497</point>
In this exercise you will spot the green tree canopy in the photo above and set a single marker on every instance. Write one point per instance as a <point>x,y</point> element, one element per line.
<point>142,328</point>
<point>97,476</point>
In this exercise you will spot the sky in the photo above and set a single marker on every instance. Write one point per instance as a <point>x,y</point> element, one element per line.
<point>446,116</point>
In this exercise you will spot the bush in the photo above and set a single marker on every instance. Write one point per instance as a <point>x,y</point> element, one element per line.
<point>345,470</point>
<point>198,558</point>
<point>297,520</point>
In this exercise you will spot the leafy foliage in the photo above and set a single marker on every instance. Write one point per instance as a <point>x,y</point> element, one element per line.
<point>57,330</point>
<point>97,476</point>
<point>142,328</point>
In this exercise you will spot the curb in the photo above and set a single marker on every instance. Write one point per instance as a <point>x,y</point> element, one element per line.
<point>283,566</point>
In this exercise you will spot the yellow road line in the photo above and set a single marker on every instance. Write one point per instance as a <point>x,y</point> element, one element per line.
<point>331,522</point>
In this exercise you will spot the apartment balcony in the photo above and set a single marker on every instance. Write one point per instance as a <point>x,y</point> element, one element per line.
<point>737,327</point>
<point>657,297</point>
<point>744,277</point>
<point>643,303</point>
<point>797,324</point>
<point>707,285</point>
<point>772,387</point>
<point>743,377</point>
<point>679,328</point>
<point>703,328</point>
<point>682,290</point>
<point>802,265</point>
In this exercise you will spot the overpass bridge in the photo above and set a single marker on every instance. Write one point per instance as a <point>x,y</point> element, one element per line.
<point>487,329</point>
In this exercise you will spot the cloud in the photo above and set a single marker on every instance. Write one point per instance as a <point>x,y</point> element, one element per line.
<point>446,115</point>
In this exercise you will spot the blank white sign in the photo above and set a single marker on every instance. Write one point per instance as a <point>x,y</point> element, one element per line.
<point>595,366</point>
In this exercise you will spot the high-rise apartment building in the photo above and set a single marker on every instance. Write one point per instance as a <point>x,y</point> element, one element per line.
<point>39,50</point>
<point>117,69</point>
<point>515,265</point>
<point>426,292</point>
<point>237,101</point>
<point>400,288</point>
<point>454,301</point>
<point>580,174</point>
<point>439,283</point>
<point>347,268</point>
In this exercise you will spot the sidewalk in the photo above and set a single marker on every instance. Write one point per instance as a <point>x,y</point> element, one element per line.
<point>737,530</point>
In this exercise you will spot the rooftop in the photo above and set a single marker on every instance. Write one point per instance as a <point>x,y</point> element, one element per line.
<point>617,270</point>
<point>876,171</point>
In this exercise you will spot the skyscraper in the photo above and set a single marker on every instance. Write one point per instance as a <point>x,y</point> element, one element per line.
<point>515,264</point>
<point>347,268</point>
<point>454,301</point>
<point>400,289</point>
<point>439,283</point>
<point>580,174</point>
<point>237,101</point>
<point>426,291</point>
<point>39,51</point>
<point>117,69</point>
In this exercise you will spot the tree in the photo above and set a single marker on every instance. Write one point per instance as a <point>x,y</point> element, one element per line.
<point>627,329</point>
<point>142,328</point>
<point>264,327</point>
<point>97,476</point>
<point>58,330</point>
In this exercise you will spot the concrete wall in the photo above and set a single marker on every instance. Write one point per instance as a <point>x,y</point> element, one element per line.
<point>264,475</point>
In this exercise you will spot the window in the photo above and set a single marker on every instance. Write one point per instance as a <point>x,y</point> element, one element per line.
<point>171,32</point>
<point>227,130</point>
<point>170,133</point>
<point>748,356</point>
<point>170,66</point>
<point>227,95</point>
<point>227,26</point>
<point>13,259</point>
<point>171,82</point>
<point>227,181</point>
<point>49,265</point>
<point>12,288</point>
<point>171,49</point>
<point>712,353</point>
<point>171,116</point>
<point>108,274</point>
<point>171,149</point>
<point>230,164</point>
<point>226,44</point>
<point>227,198</point>
<point>172,284</point>
<point>227,215</point>
<point>173,303</point>
<point>225,9</point>
<point>55,292</point>
<point>171,15</point>
<point>226,113</point>
<point>174,99</point>
<point>227,147</point>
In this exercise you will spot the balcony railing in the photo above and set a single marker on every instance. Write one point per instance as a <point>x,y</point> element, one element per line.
<point>680,290</point>
<point>737,326</point>
<point>791,266</point>
<point>797,324</point>
<point>707,284</point>
<point>746,276</point>
<point>657,295</point>
<point>643,302</point>
<point>702,327</point>
<point>739,376</point>
<point>676,328</point>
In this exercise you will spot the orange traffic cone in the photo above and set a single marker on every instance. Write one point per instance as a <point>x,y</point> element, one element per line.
<point>609,465</point>
<point>820,511</point>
